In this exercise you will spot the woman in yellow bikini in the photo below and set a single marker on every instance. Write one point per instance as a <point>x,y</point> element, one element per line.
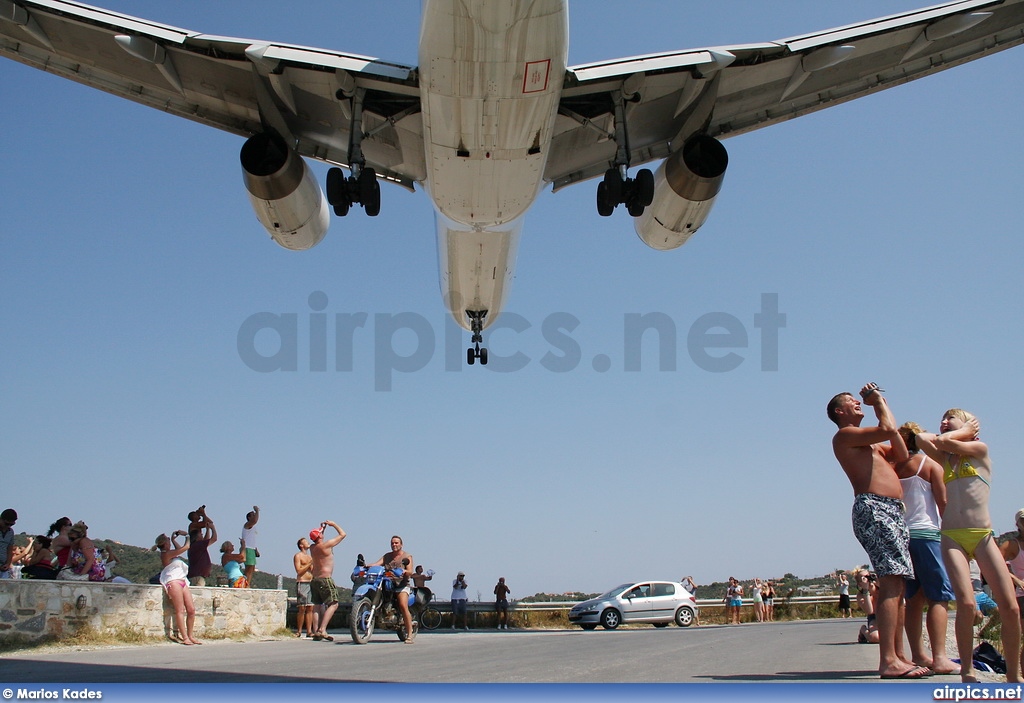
<point>967,534</point>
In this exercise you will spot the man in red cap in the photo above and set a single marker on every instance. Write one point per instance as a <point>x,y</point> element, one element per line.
<point>325,593</point>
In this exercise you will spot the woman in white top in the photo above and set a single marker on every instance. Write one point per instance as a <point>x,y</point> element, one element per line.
<point>174,579</point>
<point>1010,548</point>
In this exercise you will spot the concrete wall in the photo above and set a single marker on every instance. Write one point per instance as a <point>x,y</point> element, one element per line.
<point>33,609</point>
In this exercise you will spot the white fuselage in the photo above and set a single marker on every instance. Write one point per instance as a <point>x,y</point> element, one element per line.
<point>491,75</point>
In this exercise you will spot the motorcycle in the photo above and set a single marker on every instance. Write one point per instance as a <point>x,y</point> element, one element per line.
<point>375,603</point>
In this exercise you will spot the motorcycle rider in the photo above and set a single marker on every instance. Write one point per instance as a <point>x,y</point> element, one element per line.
<point>398,558</point>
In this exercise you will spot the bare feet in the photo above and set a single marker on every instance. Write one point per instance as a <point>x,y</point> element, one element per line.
<point>945,666</point>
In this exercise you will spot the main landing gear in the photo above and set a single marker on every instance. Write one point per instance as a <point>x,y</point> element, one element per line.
<point>362,186</point>
<point>476,319</point>
<point>618,188</point>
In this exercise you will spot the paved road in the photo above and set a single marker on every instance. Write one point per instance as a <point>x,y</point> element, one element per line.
<point>808,651</point>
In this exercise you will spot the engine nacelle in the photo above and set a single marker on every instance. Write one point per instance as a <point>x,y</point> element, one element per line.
<point>685,187</point>
<point>284,193</point>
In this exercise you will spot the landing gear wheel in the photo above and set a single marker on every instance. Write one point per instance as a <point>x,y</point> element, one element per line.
<point>635,209</point>
<point>613,185</point>
<point>483,356</point>
<point>471,356</point>
<point>337,191</point>
<point>369,191</point>
<point>604,206</point>
<point>644,187</point>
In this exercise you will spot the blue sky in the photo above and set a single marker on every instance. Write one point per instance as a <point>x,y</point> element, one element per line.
<point>887,228</point>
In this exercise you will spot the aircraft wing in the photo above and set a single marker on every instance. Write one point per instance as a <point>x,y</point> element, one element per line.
<point>242,86</point>
<point>725,91</point>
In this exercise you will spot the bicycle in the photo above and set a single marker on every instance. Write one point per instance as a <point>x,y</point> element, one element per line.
<point>430,618</point>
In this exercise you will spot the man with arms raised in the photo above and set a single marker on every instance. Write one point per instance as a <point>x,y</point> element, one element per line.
<point>325,593</point>
<point>878,514</point>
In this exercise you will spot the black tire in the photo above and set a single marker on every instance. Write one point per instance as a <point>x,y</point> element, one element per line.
<point>684,617</point>
<point>635,209</point>
<point>341,209</point>
<point>604,208</point>
<point>369,191</point>
<point>470,356</point>
<point>337,191</point>
<point>610,619</point>
<point>483,356</point>
<point>360,622</point>
<point>589,626</point>
<point>430,618</point>
<point>644,184</point>
<point>372,206</point>
<point>401,629</point>
<point>613,186</point>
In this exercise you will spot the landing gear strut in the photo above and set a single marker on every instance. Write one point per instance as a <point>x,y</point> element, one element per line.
<point>618,188</point>
<point>362,186</point>
<point>476,319</point>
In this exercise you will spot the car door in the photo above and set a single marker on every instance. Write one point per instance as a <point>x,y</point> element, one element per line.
<point>664,600</point>
<point>636,603</point>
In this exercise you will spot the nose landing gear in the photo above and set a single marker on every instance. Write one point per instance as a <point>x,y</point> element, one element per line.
<point>476,319</point>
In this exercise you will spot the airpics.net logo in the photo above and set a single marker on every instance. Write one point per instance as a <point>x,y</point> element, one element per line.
<point>408,342</point>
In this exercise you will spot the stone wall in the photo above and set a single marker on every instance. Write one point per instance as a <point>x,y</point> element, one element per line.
<point>34,609</point>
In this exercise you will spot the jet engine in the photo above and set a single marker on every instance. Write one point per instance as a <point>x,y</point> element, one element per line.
<point>685,187</point>
<point>284,193</point>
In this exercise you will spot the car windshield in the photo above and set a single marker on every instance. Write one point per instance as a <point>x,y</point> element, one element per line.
<point>615,591</point>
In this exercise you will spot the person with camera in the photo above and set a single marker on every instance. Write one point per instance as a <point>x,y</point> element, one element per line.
<point>866,455</point>
<point>174,579</point>
<point>459,600</point>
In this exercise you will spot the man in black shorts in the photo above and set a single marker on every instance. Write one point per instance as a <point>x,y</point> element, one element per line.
<point>325,593</point>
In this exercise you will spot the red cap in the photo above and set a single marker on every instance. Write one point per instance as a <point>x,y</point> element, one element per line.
<point>316,535</point>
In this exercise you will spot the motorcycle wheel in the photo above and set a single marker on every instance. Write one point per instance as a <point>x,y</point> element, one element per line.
<point>361,621</point>
<point>402,634</point>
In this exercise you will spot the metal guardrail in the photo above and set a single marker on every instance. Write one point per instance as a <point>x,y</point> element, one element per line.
<point>476,608</point>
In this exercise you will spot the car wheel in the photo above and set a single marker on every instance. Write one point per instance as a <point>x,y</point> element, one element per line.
<point>684,617</point>
<point>589,626</point>
<point>610,619</point>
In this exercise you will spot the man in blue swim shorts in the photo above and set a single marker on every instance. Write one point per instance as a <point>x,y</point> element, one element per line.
<point>865,453</point>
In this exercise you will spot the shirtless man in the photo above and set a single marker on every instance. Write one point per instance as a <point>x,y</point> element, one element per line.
<point>399,558</point>
<point>303,563</point>
<point>325,593</point>
<point>878,515</point>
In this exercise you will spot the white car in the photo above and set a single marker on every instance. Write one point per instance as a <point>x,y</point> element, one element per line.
<point>655,602</point>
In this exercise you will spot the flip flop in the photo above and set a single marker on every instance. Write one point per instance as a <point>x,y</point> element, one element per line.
<point>916,672</point>
<point>328,638</point>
